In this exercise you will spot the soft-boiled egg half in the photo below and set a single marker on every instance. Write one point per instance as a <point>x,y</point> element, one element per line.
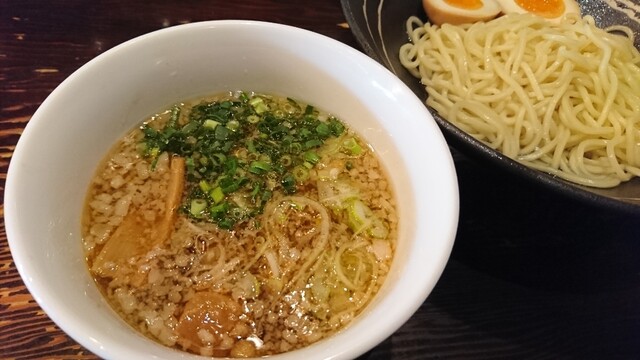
<point>552,10</point>
<point>457,12</point>
<point>467,11</point>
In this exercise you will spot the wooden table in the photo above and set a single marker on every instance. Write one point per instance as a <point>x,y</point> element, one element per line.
<point>532,275</point>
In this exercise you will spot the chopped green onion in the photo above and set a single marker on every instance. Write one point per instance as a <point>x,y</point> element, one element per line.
<point>233,125</point>
<point>312,143</point>
<point>189,127</point>
<point>378,229</point>
<point>323,130</point>
<point>336,194</point>
<point>197,207</point>
<point>231,165</point>
<point>258,105</point>
<point>285,160</point>
<point>255,101</point>
<point>231,187</point>
<point>226,223</point>
<point>210,124</point>
<point>358,215</point>
<point>288,183</point>
<point>351,146</point>
<point>222,133</point>
<point>259,167</point>
<point>300,173</point>
<point>311,157</point>
<point>337,128</point>
<point>266,195</point>
<point>216,194</point>
<point>256,190</point>
<point>190,164</point>
<point>204,186</point>
<point>154,152</point>
<point>175,115</point>
<point>220,158</point>
<point>294,104</point>
<point>219,210</point>
<point>249,145</point>
<point>295,148</point>
<point>237,213</point>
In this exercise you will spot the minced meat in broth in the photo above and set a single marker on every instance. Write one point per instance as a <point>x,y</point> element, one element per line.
<point>257,247</point>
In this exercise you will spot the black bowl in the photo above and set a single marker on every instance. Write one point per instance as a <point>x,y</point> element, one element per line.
<point>379,28</point>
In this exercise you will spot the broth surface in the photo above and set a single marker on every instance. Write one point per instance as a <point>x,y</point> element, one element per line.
<point>257,248</point>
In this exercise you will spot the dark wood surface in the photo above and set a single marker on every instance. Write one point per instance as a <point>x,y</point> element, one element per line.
<point>532,275</point>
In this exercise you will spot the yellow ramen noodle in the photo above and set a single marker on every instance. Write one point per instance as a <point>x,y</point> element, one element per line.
<point>563,98</point>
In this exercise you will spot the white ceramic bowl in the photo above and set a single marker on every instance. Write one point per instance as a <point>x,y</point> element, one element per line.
<point>77,124</point>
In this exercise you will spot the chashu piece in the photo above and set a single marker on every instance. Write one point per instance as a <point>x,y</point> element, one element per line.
<point>136,235</point>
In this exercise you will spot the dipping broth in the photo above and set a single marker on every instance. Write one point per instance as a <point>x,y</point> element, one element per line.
<point>240,225</point>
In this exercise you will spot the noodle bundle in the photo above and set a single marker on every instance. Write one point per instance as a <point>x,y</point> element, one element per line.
<point>561,98</point>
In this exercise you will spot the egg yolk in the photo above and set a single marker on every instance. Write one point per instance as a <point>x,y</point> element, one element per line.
<point>465,4</point>
<point>544,8</point>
